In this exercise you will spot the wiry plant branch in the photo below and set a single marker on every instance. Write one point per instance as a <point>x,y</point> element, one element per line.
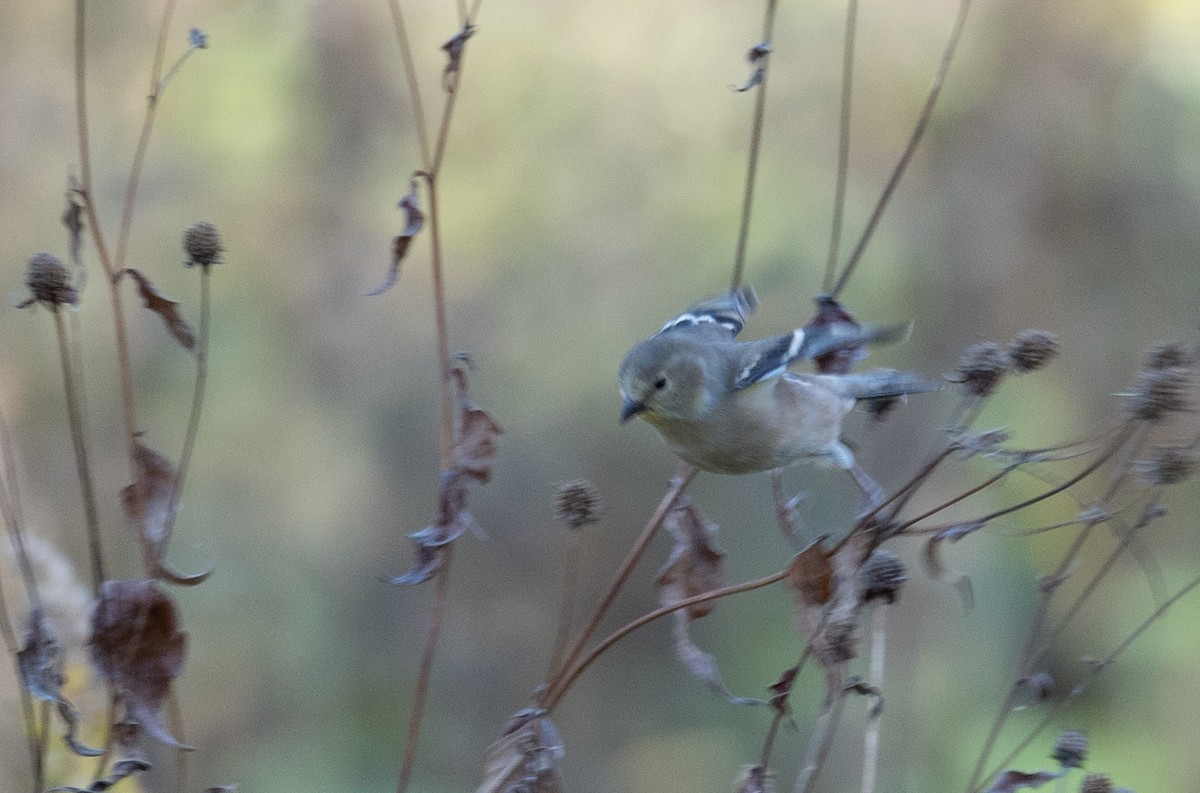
<point>556,686</point>
<point>756,133</point>
<point>917,133</point>
<point>843,160</point>
<point>79,443</point>
<point>577,668</point>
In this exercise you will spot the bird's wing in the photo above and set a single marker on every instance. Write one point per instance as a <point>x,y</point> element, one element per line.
<point>726,311</point>
<point>770,357</point>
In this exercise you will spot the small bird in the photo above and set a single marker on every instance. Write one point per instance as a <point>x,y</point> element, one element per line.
<point>733,407</point>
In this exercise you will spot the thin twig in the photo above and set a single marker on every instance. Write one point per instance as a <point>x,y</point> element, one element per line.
<point>82,467</point>
<point>756,132</point>
<point>875,718</point>
<point>139,155</point>
<point>582,664</point>
<point>567,608</point>
<point>437,612</point>
<point>917,133</point>
<point>1128,438</point>
<point>414,87</point>
<point>1096,668</point>
<point>189,438</point>
<point>843,163</point>
<point>819,744</point>
<point>554,687</point>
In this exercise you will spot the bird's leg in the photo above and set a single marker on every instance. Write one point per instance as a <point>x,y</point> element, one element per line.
<point>786,511</point>
<point>873,494</point>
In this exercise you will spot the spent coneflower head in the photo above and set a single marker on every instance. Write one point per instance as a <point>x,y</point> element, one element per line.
<point>1031,349</point>
<point>49,280</point>
<point>202,244</point>
<point>577,503</point>
<point>981,368</point>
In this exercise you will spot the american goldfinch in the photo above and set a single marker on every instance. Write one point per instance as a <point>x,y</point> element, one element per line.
<point>733,407</point>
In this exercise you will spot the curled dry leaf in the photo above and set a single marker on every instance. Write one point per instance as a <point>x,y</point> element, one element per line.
<point>414,221</point>
<point>164,306</point>
<point>758,59</point>
<point>41,663</point>
<point>475,434</point>
<point>474,454</point>
<point>694,567</point>
<point>756,779</point>
<point>72,218</point>
<point>120,770</point>
<point>1015,780</point>
<point>941,572</point>
<point>137,646</point>
<point>526,757</point>
<point>150,509</point>
<point>454,49</point>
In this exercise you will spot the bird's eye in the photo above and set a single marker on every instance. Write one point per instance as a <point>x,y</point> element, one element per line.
<point>660,384</point>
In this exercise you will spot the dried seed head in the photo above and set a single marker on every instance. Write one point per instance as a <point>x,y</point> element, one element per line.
<point>1096,783</point>
<point>49,280</point>
<point>1070,749</point>
<point>883,576</point>
<point>1168,465</point>
<point>981,368</point>
<point>841,637</point>
<point>1159,392</point>
<point>1032,349</point>
<point>577,503</point>
<point>1167,355</point>
<point>202,244</point>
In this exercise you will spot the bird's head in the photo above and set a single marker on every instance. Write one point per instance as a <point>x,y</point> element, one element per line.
<point>662,379</point>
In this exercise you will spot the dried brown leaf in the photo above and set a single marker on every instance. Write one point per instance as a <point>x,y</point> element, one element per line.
<point>41,663</point>
<point>1014,780</point>
<point>453,519</point>
<point>164,306</point>
<point>694,567</point>
<point>414,221</point>
<point>137,646</point>
<point>526,758</point>
<point>476,431</point>
<point>150,510</point>
<point>72,218</point>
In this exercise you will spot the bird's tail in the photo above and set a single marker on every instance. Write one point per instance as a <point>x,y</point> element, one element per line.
<point>883,383</point>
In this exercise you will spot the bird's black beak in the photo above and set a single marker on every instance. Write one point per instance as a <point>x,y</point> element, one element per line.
<point>630,408</point>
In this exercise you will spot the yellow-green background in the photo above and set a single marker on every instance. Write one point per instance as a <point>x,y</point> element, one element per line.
<point>591,189</point>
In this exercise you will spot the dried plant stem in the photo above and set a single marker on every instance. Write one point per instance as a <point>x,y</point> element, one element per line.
<point>10,510</point>
<point>820,742</point>
<point>578,668</point>
<point>1096,668</point>
<point>414,87</point>
<point>875,718</point>
<point>1126,440</point>
<point>843,161</point>
<point>556,687</point>
<point>189,438</point>
<point>82,467</point>
<point>781,711</point>
<point>139,156</point>
<point>756,133</point>
<point>437,613</point>
<point>917,133</point>
<point>567,609</point>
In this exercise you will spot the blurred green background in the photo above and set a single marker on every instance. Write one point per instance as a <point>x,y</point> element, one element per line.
<point>592,189</point>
